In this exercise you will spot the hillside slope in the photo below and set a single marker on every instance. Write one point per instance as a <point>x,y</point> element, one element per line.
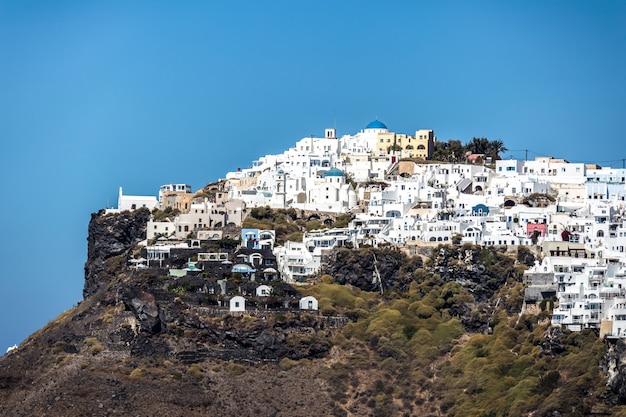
<point>445,337</point>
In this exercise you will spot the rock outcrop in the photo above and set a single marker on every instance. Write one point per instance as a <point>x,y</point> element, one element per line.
<point>357,268</point>
<point>614,363</point>
<point>108,242</point>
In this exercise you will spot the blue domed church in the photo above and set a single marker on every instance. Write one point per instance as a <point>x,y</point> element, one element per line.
<point>333,194</point>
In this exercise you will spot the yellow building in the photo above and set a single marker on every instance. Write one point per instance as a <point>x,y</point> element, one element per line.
<point>406,146</point>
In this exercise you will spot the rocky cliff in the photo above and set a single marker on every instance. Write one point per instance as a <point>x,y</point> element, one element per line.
<point>109,240</point>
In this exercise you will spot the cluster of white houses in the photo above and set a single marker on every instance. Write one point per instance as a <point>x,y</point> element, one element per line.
<point>398,196</point>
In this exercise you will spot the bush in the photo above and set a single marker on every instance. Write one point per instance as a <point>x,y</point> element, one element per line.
<point>235,369</point>
<point>195,370</point>
<point>137,373</point>
<point>93,345</point>
<point>286,364</point>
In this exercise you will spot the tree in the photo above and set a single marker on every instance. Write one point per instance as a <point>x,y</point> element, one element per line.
<point>495,148</point>
<point>453,151</point>
<point>535,237</point>
<point>395,147</point>
<point>478,145</point>
<point>450,151</point>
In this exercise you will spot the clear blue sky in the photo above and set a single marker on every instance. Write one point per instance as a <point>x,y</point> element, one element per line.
<point>101,94</point>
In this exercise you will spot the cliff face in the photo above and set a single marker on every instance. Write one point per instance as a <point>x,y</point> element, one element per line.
<point>109,239</point>
<point>614,364</point>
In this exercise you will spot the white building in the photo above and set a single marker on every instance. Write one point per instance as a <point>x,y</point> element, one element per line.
<point>133,202</point>
<point>331,194</point>
<point>173,188</point>
<point>308,303</point>
<point>606,184</point>
<point>263,291</point>
<point>363,142</point>
<point>237,304</point>
<point>295,262</point>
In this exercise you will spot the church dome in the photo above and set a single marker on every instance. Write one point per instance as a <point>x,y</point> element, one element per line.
<point>376,124</point>
<point>334,172</point>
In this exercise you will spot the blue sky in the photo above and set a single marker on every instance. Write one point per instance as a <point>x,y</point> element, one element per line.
<point>101,94</point>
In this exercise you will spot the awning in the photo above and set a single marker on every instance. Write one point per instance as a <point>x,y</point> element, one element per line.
<point>243,268</point>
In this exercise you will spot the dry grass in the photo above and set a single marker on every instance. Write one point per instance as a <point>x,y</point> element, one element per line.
<point>93,345</point>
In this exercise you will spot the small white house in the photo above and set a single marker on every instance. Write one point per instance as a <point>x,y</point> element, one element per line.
<point>133,202</point>
<point>237,303</point>
<point>263,290</point>
<point>308,303</point>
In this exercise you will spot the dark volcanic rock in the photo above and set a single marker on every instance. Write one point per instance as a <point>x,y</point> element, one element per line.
<point>110,238</point>
<point>144,307</point>
<point>614,362</point>
<point>150,347</point>
<point>357,267</point>
<point>553,342</point>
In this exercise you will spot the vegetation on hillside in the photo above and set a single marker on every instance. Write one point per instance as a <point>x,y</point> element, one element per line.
<point>160,215</point>
<point>430,363</point>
